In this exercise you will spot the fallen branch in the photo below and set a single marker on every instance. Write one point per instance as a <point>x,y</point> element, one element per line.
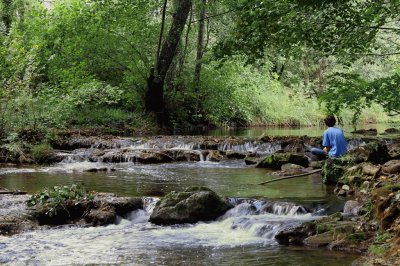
<point>292,176</point>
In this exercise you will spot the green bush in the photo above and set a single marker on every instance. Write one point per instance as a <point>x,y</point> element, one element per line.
<point>55,197</point>
<point>42,153</point>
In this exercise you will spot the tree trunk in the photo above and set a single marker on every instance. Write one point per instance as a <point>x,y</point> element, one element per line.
<point>154,98</point>
<point>200,42</point>
<point>200,53</point>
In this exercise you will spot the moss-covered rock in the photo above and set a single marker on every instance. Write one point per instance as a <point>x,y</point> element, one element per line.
<point>276,160</point>
<point>190,206</point>
<point>332,171</point>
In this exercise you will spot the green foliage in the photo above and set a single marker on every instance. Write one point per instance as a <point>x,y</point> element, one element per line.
<point>86,63</point>
<point>42,153</point>
<point>345,28</point>
<point>13,149</point>
<point>332,171</point>
<point>356,237</point>
<point>380,244</point>
<point>232,93</point>
<point>55,197</point>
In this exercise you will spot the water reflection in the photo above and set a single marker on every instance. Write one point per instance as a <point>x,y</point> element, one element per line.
<point>230,178</point>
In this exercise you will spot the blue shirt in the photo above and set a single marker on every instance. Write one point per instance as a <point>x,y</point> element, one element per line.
<point>334,138</point>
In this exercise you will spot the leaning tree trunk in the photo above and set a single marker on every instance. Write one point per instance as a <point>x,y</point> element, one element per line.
<point>154,97</point>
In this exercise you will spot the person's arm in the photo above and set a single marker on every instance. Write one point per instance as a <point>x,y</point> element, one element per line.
<point>326,142</point>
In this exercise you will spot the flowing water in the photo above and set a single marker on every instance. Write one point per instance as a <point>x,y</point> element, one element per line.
<point>243,236</point>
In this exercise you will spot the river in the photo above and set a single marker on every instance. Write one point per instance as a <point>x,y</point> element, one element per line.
<point>244,236</point>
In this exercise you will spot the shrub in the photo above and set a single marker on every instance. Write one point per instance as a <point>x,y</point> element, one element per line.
<point>42,153</point>
<point>56,197</point>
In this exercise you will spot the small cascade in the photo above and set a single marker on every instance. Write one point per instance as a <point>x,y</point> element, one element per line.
<point>251,147</point>
<point>141,216</point>
<point>242,206</point>
<point>149,203</point>
<point>283,208</point>
<point>264,219</point>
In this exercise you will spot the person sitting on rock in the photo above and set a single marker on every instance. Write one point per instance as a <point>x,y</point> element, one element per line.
<point>333,140</point>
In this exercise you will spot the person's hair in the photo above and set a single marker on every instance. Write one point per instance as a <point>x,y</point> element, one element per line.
<point>330,121</point>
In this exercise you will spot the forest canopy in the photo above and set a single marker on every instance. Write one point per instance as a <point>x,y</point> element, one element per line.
<point>183,63</point>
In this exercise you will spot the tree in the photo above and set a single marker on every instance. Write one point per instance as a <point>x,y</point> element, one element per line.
<point>154,97</point>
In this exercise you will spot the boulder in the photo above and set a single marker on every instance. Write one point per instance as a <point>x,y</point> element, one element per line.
<point>296,236</point>
<point>101,217</point>
<point>121,205</point>
<point>332,171</point>
<point>371,170</point>
<point>352,207</point>
<point>375,152</point>
<point>193,205</point>
<point>392,167</point>
<point>276,160</point>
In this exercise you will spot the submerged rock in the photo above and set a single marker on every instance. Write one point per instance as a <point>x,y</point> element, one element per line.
<point>193,205</point>
<point>368,132</point>
<point>276,160</point>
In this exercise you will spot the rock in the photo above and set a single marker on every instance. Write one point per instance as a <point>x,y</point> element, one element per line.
<point>296,236</point>
<point>371,170</point>
<point>191,206</point>
<point>392,131</point>
<point>317,164</point>
<point>234,155</point>
<point>387,205</point>
<point>250,160</point>
<point>368,132</point>
<point>214,156</point>
<point>276,160</point>
<point>394,150</point>
<point>94,170</point>
<point>346,187</point>
<point>352,207</point>
<point>320,240</point>
<point>332,171</point>
<point>101,217</point>
<point>291,166</point>
<point>375,152</point>
<point>69,212</point>
<point>149,157</point>
<point>121,205</point>
<point>392,167</point>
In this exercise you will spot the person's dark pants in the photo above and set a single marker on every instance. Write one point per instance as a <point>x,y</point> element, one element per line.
<point>317,151</point>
